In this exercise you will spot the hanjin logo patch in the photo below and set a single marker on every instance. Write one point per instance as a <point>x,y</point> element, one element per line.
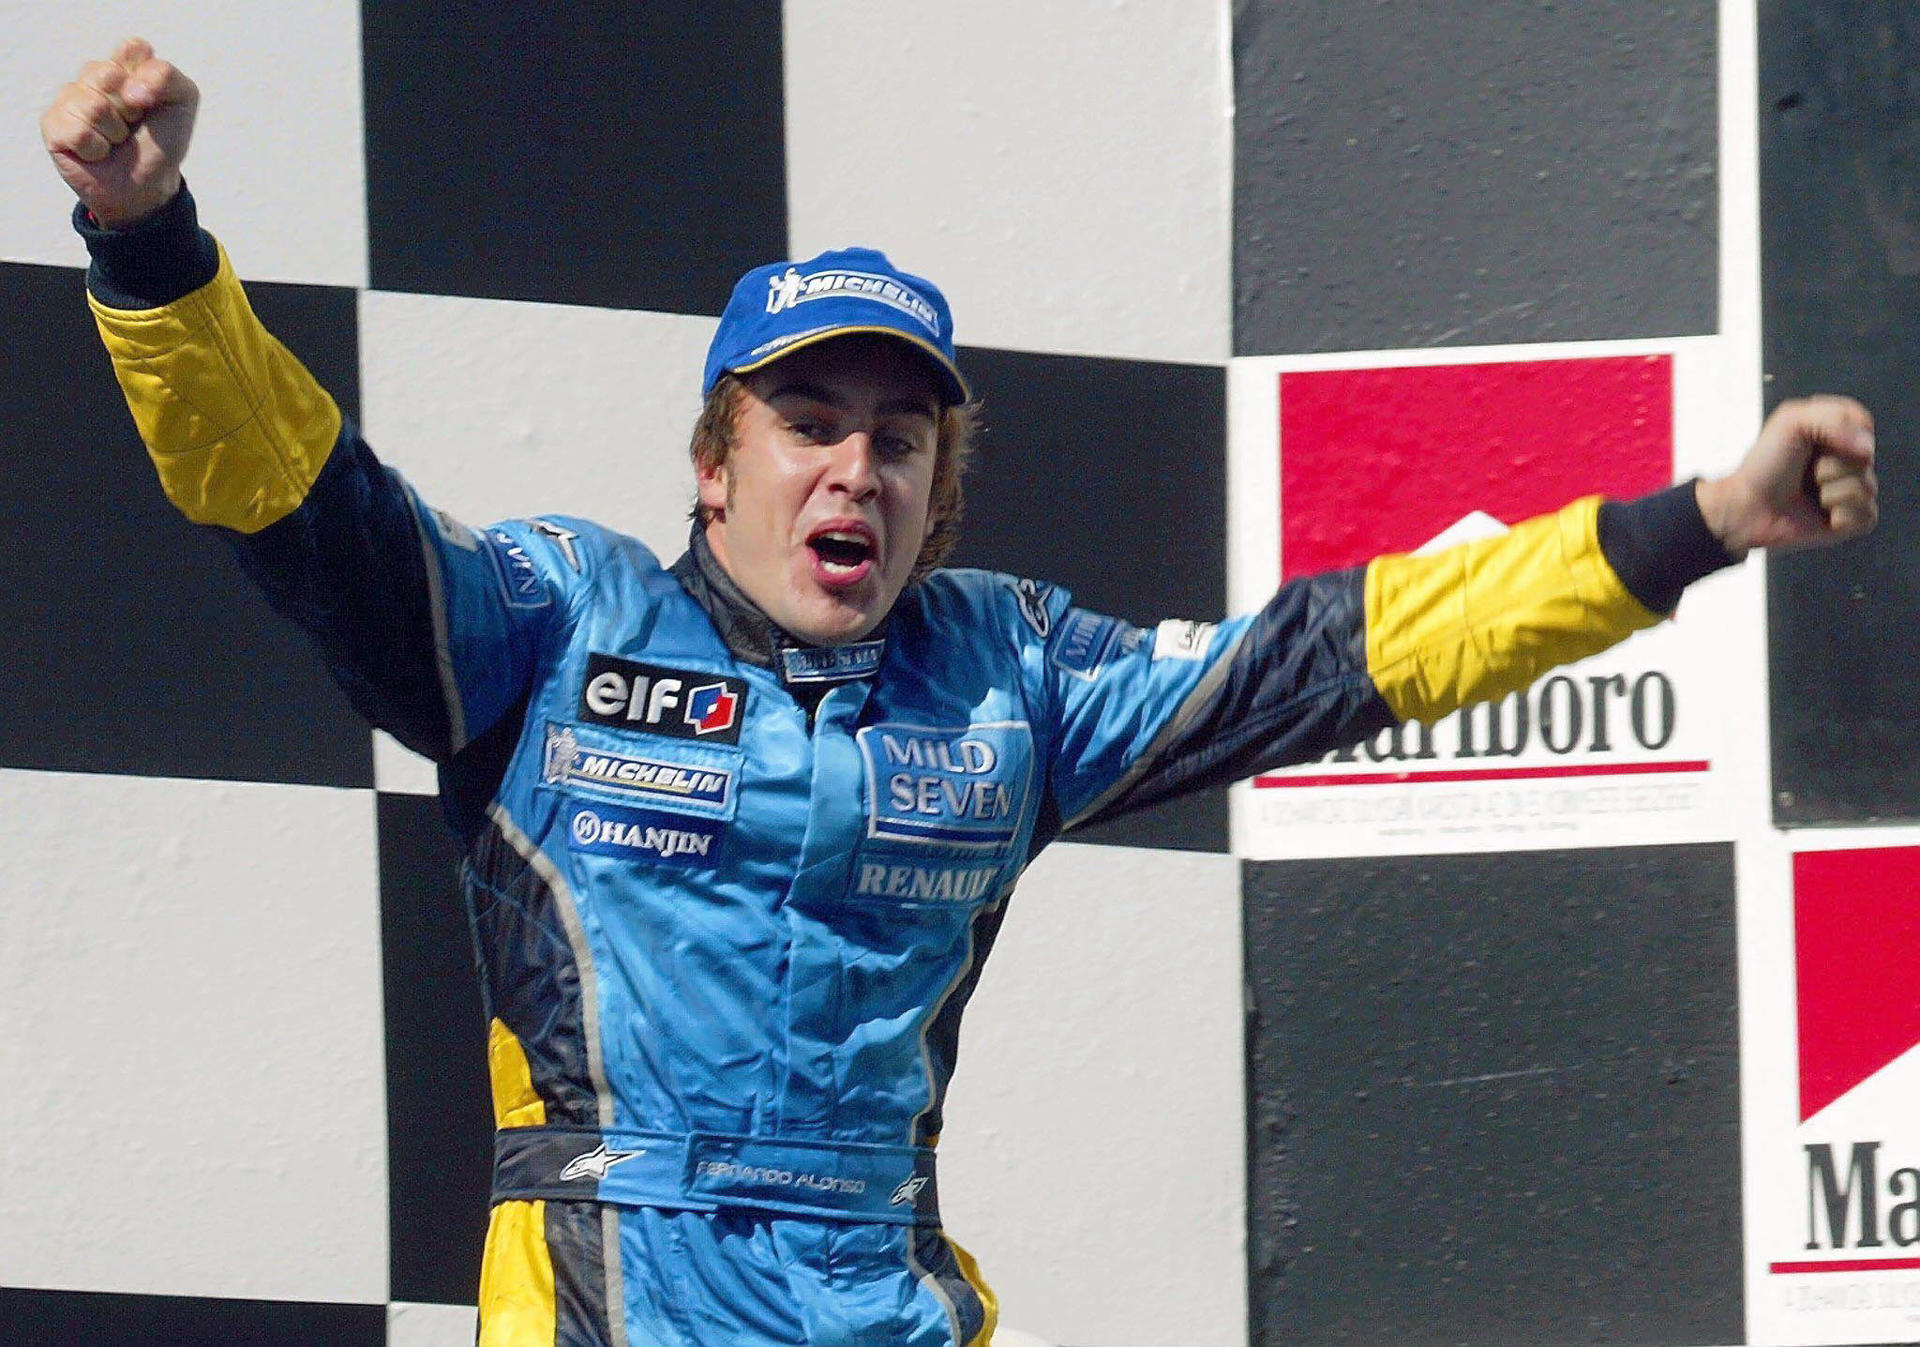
<point>640,834</point>
<point>679,703</point>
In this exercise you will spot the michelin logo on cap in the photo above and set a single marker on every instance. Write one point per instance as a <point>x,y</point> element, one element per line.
<point>772,311</point>
<point>790,288</point>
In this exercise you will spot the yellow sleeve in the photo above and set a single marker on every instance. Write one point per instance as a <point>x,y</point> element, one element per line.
<point>1479,621</point>
<point>237,428</point>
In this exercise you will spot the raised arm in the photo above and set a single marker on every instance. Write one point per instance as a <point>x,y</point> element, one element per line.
<point>1333,658</point>
<point>430,626</point>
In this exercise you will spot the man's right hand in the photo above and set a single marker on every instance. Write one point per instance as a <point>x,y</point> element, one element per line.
<point>119,132</point>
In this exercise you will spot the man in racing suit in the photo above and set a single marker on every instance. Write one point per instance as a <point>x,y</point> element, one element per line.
<point>741,829</point>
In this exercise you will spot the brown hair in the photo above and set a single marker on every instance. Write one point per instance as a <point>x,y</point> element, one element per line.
<point>713,441</point>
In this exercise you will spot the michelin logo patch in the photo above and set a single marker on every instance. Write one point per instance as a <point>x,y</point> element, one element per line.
<point>641,834</point>
<point>964,786</point>
<point>1086,641</point>
<point>569,763</point>
<point>519,581</point>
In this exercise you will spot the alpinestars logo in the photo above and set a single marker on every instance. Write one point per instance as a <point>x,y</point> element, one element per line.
<point>1032,597</point>
<point>907,1191</point>
<point>595,1163</point>
<point>563,538</point>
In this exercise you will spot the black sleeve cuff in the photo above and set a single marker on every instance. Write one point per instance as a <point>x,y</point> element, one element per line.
<point>1660,544</point>
<point>165,256</point>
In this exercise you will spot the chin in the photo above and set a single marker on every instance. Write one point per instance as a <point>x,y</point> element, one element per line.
<point>833,622</point>
<point>850,627</point>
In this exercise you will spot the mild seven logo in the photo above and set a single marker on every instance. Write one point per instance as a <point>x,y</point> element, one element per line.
<point>965,785</point>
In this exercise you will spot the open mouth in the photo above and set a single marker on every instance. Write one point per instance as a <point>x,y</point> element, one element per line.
<point>842,555</point>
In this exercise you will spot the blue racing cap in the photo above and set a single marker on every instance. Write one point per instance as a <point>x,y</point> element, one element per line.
<point>784,306</point>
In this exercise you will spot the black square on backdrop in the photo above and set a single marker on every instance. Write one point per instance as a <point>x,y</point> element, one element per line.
<point>439,1103</point>
<point>65,1318</point>
<point>1108,477</point>
<point>603,152</point>
<point>1428,173</point>
<point>1495,1099</point>
<point>134,643</point>
<point>1840,265</point>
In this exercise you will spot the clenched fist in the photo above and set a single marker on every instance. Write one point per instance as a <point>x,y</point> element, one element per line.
<point>1808,481</point>
<point>119,132</point>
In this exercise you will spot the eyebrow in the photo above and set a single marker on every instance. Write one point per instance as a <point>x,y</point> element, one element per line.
<point>903,406</point>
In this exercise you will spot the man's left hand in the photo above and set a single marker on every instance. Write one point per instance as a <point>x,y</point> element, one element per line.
<point>1807,482</point>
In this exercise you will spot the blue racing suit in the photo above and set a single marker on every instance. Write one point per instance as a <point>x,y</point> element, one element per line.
<point>731,893</point>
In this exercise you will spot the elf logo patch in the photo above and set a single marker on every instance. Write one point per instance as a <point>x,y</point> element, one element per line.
<point>678,703</point>
<point>1392,460</point>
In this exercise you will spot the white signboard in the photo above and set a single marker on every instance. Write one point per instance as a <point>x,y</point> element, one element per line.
<point>1830,1068</point>
<point>1336,459</point>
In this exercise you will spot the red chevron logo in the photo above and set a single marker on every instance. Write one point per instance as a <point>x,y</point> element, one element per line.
<point>1384,460</point>
<point>1856,925</point>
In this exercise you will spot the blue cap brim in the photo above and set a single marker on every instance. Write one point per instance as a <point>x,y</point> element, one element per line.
<point>953,385</point>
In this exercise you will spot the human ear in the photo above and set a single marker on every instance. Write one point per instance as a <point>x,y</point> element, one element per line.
<point>715,486</point>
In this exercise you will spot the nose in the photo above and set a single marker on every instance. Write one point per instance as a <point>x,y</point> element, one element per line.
<point>853,467</point>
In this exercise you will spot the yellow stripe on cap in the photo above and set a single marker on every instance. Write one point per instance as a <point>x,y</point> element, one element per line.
<point>517,1307</point>
<point>515,1104</point>
<point>237,428</point>
<point>1478,621</point>
<point>827,334</point>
